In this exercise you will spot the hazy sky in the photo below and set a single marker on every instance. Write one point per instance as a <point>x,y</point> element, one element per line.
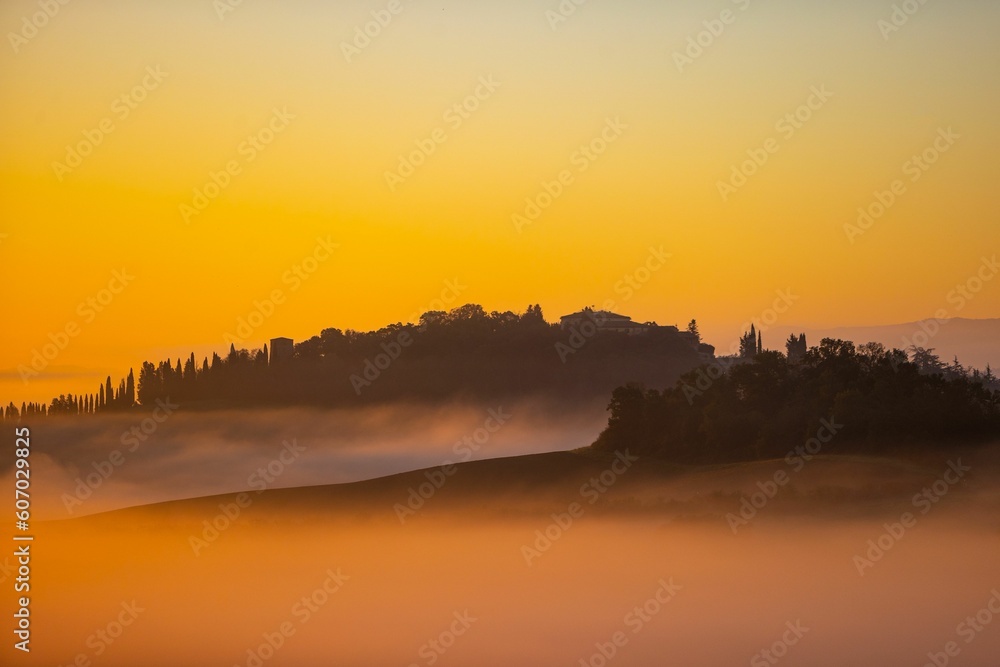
<point>198,87</point>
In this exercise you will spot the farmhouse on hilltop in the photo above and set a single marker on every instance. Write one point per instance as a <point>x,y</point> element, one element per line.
<point>605,321</point>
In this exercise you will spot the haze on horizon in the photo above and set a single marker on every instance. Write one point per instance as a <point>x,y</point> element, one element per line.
<point>211,84</point>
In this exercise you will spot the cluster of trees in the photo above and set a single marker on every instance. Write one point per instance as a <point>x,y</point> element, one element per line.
<point>880,399</point>
<point>106,399</point>
<point>930,364</point>
<point>464,353</point>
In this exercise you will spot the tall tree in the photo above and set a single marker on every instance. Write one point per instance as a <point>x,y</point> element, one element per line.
<point>130,389</point>
<point>693,329</point>
<point>149,383</point>
<point>748,343</point>
<point>190,373</point>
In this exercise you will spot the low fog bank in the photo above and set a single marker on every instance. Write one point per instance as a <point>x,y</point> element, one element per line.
<point>556,487</point>
<point>94,464</point>
<point>825,574</point>
<point>91,465</point>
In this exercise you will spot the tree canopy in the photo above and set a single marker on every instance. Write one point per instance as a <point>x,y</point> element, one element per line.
<point>762,407</point>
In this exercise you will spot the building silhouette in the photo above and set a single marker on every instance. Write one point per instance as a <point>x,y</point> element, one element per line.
<point>282,349</point>
<point>604,321</point>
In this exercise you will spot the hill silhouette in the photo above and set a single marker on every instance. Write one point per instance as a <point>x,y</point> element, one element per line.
<point>535,485</point>
<point>865,399</point>
<point>465,353</point>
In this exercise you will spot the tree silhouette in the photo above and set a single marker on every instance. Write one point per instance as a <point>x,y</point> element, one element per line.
<point>692,328</point>
<point>925,359</point>
<point>760,408</point>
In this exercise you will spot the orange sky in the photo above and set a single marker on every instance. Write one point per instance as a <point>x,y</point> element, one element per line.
<point>267,93</point>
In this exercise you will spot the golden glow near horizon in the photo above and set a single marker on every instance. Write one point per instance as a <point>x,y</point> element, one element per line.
<point>363,158</point>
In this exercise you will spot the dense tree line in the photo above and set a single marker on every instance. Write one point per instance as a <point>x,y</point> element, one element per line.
<point>105,399</point>
<point>464,353</point>
<point>880,399</point>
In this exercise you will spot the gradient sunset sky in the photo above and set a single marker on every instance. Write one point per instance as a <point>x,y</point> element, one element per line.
<point>343,125</point>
